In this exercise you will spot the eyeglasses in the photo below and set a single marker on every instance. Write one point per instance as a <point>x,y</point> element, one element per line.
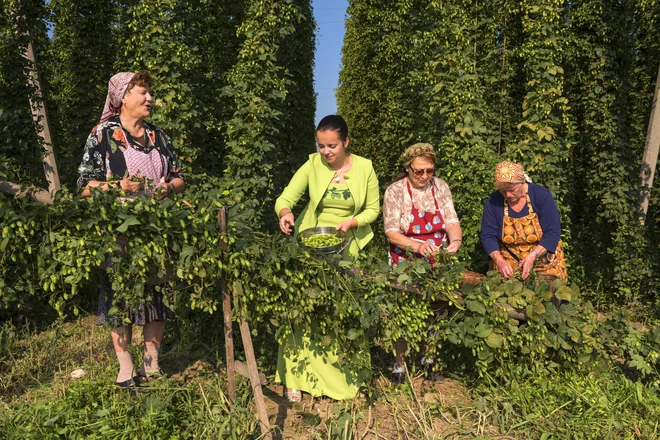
<point>420,173</point>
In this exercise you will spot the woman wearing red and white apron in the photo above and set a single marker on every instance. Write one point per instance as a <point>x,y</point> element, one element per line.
<point>419,216</point>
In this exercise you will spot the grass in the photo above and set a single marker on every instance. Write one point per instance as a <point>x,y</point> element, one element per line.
<point>40,400</point>
<point>604,406</point>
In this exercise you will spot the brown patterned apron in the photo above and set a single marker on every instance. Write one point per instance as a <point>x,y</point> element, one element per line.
<point>521,235</point>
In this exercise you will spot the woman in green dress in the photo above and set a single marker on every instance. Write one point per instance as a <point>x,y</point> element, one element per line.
<point>343,193</point>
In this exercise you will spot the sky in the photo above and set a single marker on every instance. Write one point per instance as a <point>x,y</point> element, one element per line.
<point>329,15</point>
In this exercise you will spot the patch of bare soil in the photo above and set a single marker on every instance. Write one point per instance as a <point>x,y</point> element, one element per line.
<point>418,410</point>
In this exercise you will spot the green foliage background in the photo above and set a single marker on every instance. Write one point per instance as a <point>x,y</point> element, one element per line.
<point>565,88</point>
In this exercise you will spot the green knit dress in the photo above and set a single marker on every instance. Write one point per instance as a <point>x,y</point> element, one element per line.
<point>303,365</point>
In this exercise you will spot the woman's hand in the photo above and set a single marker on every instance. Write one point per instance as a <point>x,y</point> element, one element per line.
<point>527,264</point>
<point>426,249</point>
<point>504,268</point>
<point>454,246</point>
<point>131,185</point>
<point>162,190</point>
<point>287,223</point>
<point>346,225</point>
<point>455,237</point>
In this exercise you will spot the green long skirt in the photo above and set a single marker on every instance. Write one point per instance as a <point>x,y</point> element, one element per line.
<point>304,365</point>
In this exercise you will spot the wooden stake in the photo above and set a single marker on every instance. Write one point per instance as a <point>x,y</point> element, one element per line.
<point>254,379</point>
<point>650,157</point>
<point>242,369</point>
<point>40,116</point>
<point>229,342</point>
<point>16,190</point>
<point>226,311</point>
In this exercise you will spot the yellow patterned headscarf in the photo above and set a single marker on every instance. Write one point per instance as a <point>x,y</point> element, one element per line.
<point>415,151</point>
<point>509,172</point>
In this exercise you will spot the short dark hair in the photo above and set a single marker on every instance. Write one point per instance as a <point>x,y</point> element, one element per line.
<point>334,123</point>
<point>142,79</point>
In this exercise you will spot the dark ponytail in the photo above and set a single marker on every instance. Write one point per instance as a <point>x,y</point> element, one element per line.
<point>334,123</point>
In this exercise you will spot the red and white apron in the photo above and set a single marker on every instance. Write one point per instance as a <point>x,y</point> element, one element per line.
<point>425,226</point>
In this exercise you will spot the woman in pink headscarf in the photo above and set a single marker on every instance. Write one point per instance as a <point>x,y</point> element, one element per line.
<point>124,151</point>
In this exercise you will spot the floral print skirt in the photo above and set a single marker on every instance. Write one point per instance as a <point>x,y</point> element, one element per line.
<point>156,310</point>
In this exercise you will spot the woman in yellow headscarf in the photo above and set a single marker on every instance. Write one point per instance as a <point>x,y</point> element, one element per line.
<point>520,226</point>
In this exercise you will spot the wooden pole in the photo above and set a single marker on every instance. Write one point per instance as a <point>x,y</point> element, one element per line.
<point>254,379</point>
<point>16,190</point>
<point>226,310</point>
<point>242,369</point>
<point>229,343</point>
<point>40,116</point>
<point>650,157</point>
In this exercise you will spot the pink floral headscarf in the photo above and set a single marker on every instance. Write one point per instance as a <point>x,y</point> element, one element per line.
<point>116,89</point>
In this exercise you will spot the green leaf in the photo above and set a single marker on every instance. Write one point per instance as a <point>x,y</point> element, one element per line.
<point>587,329</point>
<point>352,334</point>
<point>531,314</point>
<point>539,307</point>
<point>475,306</point>
<point>564,293</point>
<point>130,221</point>
<point>238,288</point>
<point>495,340</point>
<point>313,292</point>
<point>484,330</point>
<point>517,302</point>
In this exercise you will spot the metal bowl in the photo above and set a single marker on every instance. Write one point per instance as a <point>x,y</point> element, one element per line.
<point>323,230</point>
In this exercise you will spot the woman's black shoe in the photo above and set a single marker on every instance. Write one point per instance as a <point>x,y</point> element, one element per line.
<point>398,374</point>
<point>433,376</point>
<point>130,385</point>
<point>150,377</point>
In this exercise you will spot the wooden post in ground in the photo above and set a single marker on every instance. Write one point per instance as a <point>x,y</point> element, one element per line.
<point>226,310</point>
<point>650,157</point>
<point>254,379</point>
<point>233,366</point>
<point>229,343</point>
<point>40,115</point>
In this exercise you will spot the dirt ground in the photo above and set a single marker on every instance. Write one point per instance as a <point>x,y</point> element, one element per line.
<point>418,410</point>
<point>381,418</point>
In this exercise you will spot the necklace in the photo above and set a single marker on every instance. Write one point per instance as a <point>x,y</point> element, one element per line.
<point>340,172</point>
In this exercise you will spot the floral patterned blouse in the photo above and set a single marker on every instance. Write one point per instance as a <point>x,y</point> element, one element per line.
<point>397,203</point>
<point>105,147</point>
